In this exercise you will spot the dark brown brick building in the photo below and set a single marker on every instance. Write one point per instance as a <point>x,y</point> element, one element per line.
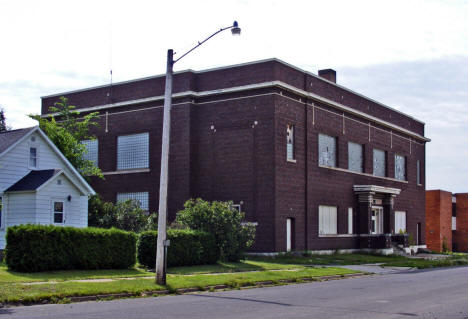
<point>316,165</point>
<point>446,221</point>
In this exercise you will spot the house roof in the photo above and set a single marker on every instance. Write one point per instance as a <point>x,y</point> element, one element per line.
<point>8,138</point>
<point>33,180</point>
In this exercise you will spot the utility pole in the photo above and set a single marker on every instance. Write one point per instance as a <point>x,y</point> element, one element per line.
<point>163,243</point>
<point>163,182</point>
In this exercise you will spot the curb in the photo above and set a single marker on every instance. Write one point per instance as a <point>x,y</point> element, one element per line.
<point>155,293</point>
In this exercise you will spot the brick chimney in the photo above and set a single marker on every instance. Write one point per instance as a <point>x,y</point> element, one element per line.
<point>328,74</point>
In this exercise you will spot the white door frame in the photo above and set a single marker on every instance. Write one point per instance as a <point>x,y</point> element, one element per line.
<point>53,201</point>
<point>378,219</point>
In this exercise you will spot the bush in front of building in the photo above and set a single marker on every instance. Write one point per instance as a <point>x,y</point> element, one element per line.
<point>32,248</point>
<point>222,220</point>
<point>187,247</point>
<point>125,215</point>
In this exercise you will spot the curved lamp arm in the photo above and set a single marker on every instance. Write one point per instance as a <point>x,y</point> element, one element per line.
<point>234,29</point>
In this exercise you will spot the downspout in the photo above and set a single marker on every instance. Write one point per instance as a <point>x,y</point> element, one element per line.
<point>306,171</point>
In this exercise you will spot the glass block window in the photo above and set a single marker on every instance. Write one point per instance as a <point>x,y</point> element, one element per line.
<point>418,172</point>
<point>133,151</point>
<point>290,142</point>
<point>379,163</point>
<point>32,157</point>
<point>400,167</point>
<point>327,220</point>
<point>355,157</point>
<point>327,150</point>
<point>141,198</point>
<point>92,151</point>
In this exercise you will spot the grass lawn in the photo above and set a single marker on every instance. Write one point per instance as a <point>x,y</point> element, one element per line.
<point>26,292</point>
<point>355,259</point>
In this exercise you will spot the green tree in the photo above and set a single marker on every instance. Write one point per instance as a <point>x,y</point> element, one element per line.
<point>223,221</point>
<point>67,133</point>
<point>3,126</point>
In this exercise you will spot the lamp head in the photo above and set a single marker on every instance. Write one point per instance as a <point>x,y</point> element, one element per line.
<point>235,28</point>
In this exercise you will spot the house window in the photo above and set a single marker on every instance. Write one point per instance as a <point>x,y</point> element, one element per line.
<point>133,151</point>
<point>355,157</point>
<point>400,167</point>
<point>418,172</point>
<point>91,151</point>
<point>327,220</point>
<point>400,222</point>
<point>380,163</point>
<point>350,220</point>
<point>290,142</point>
<point>236,207</point>
<point>33,157</point>
<point>141,198</point>
<point>327,150</point>
<point>58,212</point>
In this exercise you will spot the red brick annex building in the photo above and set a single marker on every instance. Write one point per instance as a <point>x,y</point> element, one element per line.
<point>317,166</point>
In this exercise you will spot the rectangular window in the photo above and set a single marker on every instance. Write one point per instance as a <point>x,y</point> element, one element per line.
<point>290,142</point>
<point>418,172</point>
<point>400,222</point>
<point>140,197</point>
<point>327,220</point>
<point>133,151</point>
<point>350,220</point>
<point>400,167</point>
<point>32,157</point>
<point>58,212</point>
<point>355,157</point>
<point>91,151</point>
<point>327,150</point>
<point>454,223</point>
<point>380,163</point>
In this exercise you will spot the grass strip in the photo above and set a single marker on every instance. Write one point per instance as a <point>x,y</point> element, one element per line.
<point>54,292</point>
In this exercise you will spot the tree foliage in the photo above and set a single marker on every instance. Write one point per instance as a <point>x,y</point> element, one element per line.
<point>3,126</point>
<point>124,215</point>
<point>67,133</point>
<point>223,221</point>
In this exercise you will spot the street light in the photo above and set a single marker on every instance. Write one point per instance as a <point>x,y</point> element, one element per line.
<point>162,244</point>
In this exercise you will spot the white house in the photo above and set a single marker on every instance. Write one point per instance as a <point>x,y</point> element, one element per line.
<point>38,185</point>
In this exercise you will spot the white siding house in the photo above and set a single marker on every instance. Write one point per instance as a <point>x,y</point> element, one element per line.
<point>37,183</point>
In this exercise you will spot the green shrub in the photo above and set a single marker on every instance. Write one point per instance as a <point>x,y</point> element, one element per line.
<point>32,248</point>
<point>221,220</point>
<point>188,247</point>
<point>125,215</point>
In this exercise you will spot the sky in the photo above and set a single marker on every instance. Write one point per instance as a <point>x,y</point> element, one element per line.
<point>410,55</point>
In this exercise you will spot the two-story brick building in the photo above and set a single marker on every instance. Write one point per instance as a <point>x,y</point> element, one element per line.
<point>316,165</point>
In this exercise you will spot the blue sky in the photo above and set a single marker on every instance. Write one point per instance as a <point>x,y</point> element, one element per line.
<point>410,55</point>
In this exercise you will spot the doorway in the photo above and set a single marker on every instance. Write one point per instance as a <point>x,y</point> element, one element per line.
<point>377,220</point>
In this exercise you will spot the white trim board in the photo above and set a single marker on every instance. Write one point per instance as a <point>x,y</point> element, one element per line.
<point>236,66</point>
<point>278,84</point>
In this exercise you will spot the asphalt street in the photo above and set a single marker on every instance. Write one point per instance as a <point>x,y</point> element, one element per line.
<point>438,293</point>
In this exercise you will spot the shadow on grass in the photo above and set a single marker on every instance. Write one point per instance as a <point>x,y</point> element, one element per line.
<point>220,267</point>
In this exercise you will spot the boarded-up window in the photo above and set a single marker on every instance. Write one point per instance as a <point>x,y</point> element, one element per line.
<point>418,172</point>
<point>327,220</point>
<point>290,142</point>
<point>355,157</point>
<point>379,163</point>
<point>141,198</point>
<point>91,151</point>
<point>400,167</point>
<point>400,222</point>
<point>133,151</point>
<point>327,150</point>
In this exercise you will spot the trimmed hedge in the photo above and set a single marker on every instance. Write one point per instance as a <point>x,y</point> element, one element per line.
<point>187,248</point>
<point>32,248</point>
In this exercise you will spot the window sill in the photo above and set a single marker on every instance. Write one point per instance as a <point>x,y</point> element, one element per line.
<point>337,235</point>
<point>128,171</point>
<point>363,174</point>
<point>290,160</point>
<point>420,185</point>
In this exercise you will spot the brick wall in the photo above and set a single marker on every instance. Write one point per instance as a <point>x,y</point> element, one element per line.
<point>438,220</point>
<point>461,234</point>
